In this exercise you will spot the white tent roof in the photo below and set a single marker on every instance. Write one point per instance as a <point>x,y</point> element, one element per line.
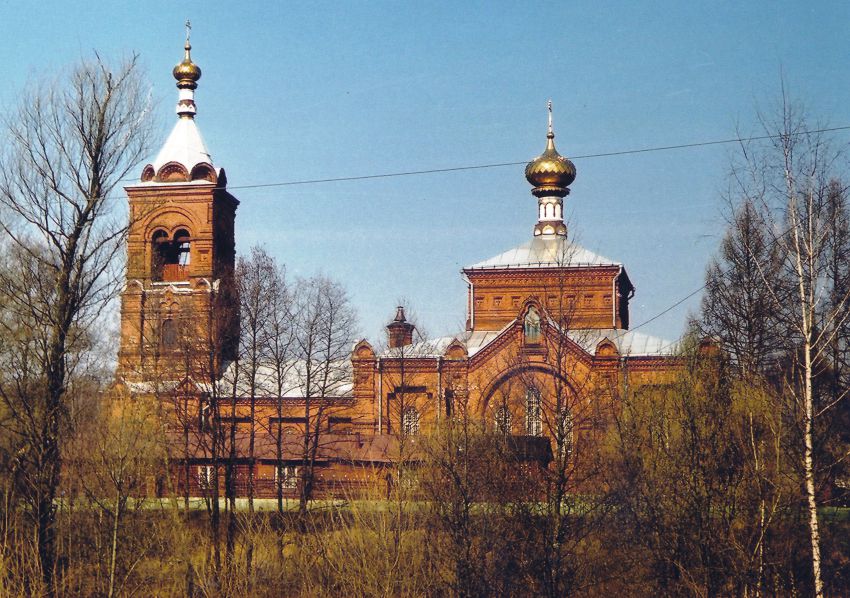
<point>550,251</point>
<point>184,146</point>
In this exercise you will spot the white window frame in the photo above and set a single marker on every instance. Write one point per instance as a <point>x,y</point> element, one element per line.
<point>569,424</point>
<point>205,415</point>
<point>533,412</point>
<point>410,421</point>
<point>503,420</point>
<point>206,475</point>
<point>290,476</point>
<point>184,253</point>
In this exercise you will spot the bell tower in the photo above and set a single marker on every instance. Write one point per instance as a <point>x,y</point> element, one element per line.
<point>179,314</point>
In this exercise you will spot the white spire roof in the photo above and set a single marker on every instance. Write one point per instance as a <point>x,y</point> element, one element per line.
<point>184,146</point>
<point>184,151</point>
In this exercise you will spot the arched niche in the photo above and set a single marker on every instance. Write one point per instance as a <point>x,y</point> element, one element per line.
<point>509,386</point>
<point>172,172</point>
<point>363,350</point>
<point>148,173</point>
<point>455,350</point>
<point>532,326</point>
<point>606,348</point>
<point>203,172</point>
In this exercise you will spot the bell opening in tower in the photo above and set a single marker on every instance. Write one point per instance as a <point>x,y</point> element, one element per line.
<point>170,257</point>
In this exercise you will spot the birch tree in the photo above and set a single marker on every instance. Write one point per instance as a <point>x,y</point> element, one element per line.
<point>792,178</point>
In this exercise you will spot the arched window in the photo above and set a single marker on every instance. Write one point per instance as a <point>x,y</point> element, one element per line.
<point>181,242</point>
<point>503,420</point>
<point>533,413</point>
<point>206,476</point>
<point>170,257</point>
<point>159,254</point>
<point>410,421</point>
<point>168,334</point>
<point>565,434</point>
<point>531,326</point>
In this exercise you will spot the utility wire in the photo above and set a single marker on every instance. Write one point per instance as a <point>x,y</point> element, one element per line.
<point>685,298</point>
<point>645,150</point>
<point>670,308</point>
<point>580,157</point>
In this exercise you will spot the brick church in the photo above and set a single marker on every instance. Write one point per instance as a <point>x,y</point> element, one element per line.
<point>545,351</point>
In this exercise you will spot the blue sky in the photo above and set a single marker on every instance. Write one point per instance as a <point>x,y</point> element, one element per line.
<point>321,90</point>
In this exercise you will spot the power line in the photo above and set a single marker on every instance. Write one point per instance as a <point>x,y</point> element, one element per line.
<point>645,150</point>
<point>668,309</point>
<point>685,298</point>
<point>580,157</point>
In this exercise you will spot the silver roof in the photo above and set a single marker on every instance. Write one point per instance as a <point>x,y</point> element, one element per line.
<point>478,339</point>
<point>435,347</point>
<point>293,381</point>
<point>628,343</point>
<point>545,252</point>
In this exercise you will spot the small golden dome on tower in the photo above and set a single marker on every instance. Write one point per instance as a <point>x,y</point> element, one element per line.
<point>550,169</point>
<point>187,72</point>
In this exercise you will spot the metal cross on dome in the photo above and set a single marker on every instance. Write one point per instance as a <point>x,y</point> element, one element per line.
<point>188,28</point>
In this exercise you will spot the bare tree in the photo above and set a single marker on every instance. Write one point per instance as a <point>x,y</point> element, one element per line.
<point>115,455</point>
<point>208,379</point>
<point>281,339</point>
<point>324,333</point>
<point>792,178</point>
<point>69,144</point>
<point>257,280</point>
<point>472,478</point>
<point>564,405</point>
<point>187,371</point>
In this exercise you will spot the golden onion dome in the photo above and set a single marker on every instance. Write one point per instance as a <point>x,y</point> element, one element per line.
<point>550,169</point>
<point>187,72</point>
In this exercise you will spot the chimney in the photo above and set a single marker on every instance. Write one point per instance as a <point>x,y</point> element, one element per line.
<point>400,331</point>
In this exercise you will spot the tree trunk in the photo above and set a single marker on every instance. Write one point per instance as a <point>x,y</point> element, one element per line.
<point>808,468</point>
<point>48,478</point>
<point>187,468</point>
<point>279,469</point>
<point>230,477</point>
<point>249,551</point>
<point>113,555</point>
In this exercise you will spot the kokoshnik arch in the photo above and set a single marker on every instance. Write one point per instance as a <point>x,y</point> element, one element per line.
<point>545,350</point>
